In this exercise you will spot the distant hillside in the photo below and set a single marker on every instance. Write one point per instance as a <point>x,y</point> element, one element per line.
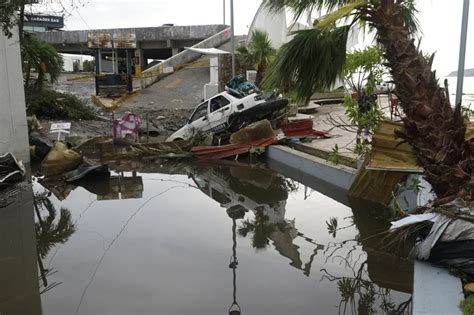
<point>467,73</point>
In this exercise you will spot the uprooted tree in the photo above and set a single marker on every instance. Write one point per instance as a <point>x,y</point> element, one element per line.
<point>314,59</point>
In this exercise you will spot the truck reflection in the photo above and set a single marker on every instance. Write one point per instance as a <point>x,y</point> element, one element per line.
<point>263,193</point>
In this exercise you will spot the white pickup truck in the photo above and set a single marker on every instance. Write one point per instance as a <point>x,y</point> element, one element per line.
<point>226,111</point>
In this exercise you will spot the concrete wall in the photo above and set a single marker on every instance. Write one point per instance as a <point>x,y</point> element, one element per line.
<point>152,74</point>
<point>331,180</point>
<point>13,126</point>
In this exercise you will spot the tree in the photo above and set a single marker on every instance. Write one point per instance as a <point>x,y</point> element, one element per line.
<point>258,53</point>
<point>315,58</point>
<point>43,58</point>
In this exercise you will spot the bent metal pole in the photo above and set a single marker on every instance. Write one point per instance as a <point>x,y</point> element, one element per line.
<point>462,52</point>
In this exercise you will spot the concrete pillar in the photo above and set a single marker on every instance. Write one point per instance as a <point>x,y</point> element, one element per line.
<point>13,126</point>
<point>174,51</point>
<point>142,66</point>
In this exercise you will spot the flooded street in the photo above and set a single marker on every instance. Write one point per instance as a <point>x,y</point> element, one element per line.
<point>196,239</point>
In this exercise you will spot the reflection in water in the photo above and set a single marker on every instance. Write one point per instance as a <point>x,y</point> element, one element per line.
<point>386,272</point>
<point>105,187</point>
<point>256,200</point>
<point>49,234</point>
<point>265,193</point>
<point>234,213</point>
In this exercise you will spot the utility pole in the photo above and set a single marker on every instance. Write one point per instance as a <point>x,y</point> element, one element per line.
<point>232,39</point>
<point>223,10</point>
<point>462,52</point>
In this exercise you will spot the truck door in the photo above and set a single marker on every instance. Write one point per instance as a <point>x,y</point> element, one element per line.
<point>199,119</point>
<point>219,112</point>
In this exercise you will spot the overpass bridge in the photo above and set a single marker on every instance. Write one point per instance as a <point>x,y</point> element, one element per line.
<point>152,42</point>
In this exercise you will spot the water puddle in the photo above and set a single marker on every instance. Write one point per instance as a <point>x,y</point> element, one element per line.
<point>204,239</point>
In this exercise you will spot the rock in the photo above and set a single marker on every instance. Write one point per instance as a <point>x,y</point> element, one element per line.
<point>60,160</point>
<point>258,130</point>
<point>469,287</point>
<point>160,117</point>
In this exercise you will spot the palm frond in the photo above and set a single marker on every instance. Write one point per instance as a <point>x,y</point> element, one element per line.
<point>409,13</point>
<point>299,7</point>
<point>343,12</point>
<point>311,61</point>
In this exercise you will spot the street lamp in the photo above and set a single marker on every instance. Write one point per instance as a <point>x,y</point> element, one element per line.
<point>462,52</point>
<point>232,39</point>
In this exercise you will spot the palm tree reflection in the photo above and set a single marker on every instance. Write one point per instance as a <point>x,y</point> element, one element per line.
<point>49,233</point>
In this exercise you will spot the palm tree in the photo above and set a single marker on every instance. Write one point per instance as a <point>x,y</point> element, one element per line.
<point>43,58</point>
<point>314,59</point>
<point>258,53</point>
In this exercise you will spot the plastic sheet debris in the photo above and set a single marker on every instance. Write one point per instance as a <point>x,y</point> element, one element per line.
<point>85,168</point>
<point>412,219</point>
<point>450,240</point>
<point>11,170</point>
<point>241,86</point>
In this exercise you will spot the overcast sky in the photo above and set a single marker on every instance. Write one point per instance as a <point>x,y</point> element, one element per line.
<point>440,20</point>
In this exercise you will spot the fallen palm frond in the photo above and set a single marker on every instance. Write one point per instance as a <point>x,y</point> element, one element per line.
<point>403,239</point>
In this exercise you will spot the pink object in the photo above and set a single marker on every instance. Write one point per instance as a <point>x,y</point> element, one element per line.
<point>129,124</point>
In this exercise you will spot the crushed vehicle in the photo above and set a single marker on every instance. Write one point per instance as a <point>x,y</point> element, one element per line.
<point>242,103</point>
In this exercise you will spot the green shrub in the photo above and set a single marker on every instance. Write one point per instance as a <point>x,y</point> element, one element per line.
<point>56,105</point>
<point>467,305</point>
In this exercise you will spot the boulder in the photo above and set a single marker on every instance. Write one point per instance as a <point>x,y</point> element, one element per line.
<point>60,160</point>
<point>258,130</point>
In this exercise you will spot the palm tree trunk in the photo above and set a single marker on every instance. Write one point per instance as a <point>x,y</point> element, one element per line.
<point>435,130</point>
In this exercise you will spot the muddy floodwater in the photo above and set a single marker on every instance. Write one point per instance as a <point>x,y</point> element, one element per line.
<point>203,239</point>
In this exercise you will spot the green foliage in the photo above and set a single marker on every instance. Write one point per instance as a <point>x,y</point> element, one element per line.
<point>364,69</point>
<point>333,156</point>
<point>258,54</point>
<point>43,58</point>
<point>362,149</point>
<point>8,18</point>
<point>56,105</point>
<point>310,62</point>
<point>313,60</point>
<point>467,305</point>
<point>88,66</point>
<point>369,119</point>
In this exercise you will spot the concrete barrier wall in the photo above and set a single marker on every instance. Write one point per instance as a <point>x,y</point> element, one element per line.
<point>328,175</point>
<point>13,125</point>
<point>145,34</point>
<point>152,74</point>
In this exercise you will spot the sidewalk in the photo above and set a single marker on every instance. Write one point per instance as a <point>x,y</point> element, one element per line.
<point>345,140</point>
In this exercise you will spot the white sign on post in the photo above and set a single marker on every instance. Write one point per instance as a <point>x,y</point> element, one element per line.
<point>60,128</point>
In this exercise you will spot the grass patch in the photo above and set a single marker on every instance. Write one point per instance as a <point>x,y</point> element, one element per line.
<point>467,305</point>
<point>56,105</point>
